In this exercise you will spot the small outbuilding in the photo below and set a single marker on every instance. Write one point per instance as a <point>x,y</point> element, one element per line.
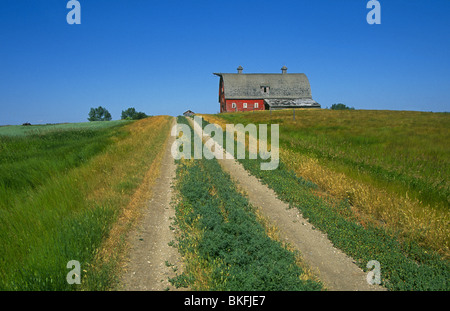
<point>188,113</point>
<point>248,92</point>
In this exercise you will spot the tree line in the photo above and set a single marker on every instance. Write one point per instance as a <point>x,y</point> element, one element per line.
<point>102,114</point>
<point>341,106</point>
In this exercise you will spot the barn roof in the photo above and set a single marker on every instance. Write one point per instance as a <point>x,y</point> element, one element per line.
<point>281,86</point>
<point>188,113</point>
<point>291,103</point>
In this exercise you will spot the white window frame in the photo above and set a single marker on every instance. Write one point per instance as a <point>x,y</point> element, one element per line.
<point>256,105</point>
<point>244,105</point>
<point>233,105</point>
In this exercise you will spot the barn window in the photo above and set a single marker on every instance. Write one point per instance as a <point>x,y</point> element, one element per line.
<point>256,106</point>
<point>233,105</point>
<point>245,105</point>
<point>265,89</point>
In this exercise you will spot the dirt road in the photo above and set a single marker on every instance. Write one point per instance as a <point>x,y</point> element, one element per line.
<point>152,261</point>
<point>334,268</point>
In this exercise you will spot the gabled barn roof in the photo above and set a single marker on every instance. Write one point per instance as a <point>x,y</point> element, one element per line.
<point>281,86</point>
<point>284,90</point>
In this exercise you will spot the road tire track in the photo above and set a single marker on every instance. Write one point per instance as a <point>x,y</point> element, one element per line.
<point>151,260</point>
<point>334,268</point>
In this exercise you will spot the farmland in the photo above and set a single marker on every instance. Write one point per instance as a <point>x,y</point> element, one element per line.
<point>361,186</point>
<point>374,182</point>
<point>64,189</point>
<point>405,151</point>
<point>224,244</point>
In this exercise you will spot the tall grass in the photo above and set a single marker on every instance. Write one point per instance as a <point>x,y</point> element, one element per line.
<point>403,151</point>
<point>28,161</point>
<point>406,263</point>
<point>20,130</point>
<point>392,166</point>
<point>61,193</point>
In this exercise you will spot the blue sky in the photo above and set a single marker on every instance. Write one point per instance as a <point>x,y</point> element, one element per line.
<point>159,56</point>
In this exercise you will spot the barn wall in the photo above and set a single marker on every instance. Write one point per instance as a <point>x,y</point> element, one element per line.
<point>222,101</point>
<point>240,105</point>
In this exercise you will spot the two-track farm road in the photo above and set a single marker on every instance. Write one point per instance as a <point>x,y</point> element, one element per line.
<point>151,259</point>
<point>334,268</point>
<point>147,268</point>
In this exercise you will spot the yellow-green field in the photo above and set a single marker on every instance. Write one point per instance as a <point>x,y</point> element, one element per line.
<point>69,192</point>
<point>375,182</point>
<point>392,166</point>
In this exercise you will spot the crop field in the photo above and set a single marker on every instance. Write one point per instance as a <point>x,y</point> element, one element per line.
<point>405,151</point>
<point>63,190</point>
<point>375,182</point>
<point>20,130</point>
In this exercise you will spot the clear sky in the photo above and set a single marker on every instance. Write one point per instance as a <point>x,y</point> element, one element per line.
<point>159,55</point>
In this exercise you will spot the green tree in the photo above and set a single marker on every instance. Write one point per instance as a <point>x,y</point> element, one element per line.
<point>132,114</point>
<point>340,106</point>
<point>99,114</point>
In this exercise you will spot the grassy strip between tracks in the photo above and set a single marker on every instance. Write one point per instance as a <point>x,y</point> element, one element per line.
<point>404,264</point>
<point>223,244</point>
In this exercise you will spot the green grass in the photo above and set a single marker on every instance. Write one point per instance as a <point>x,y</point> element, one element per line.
<point>29,160</point>
<point>37,197</point>
<point>61,191</point>
<point>20,130</point>
<point>224,245</point>
<point>405,265</point>
<point>401,151</point>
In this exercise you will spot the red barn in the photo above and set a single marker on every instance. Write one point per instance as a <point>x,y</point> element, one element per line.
<point>248,92</point>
